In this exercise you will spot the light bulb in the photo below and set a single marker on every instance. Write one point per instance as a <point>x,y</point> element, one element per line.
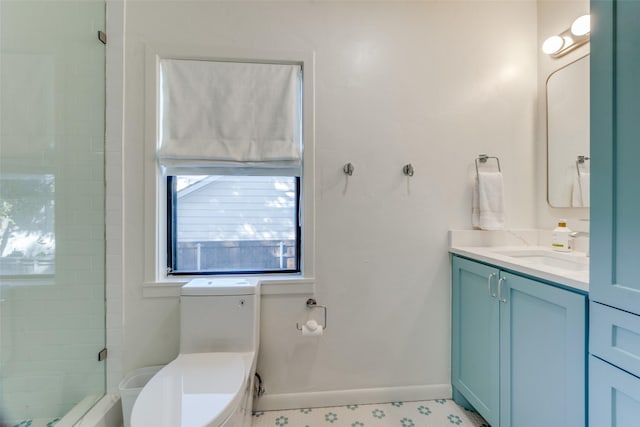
<point>552,45</point>
<point>568,41</point>
<point>581,26</point>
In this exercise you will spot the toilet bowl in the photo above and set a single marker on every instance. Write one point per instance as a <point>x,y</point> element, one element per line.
<point>210,383</point>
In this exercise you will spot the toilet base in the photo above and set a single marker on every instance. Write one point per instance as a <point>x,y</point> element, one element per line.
<point>199,390</point>
<point>242,416</point>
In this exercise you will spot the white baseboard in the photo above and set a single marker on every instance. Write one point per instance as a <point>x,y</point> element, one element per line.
<point>107,412</point>
<point>270,402</point>
<point>78,411</point>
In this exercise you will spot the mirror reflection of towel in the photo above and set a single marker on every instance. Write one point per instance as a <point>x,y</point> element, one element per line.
<point>488,201</point>
<point>580,190</point>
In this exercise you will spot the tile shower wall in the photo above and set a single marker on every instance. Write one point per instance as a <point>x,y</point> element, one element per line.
<point>52,124</point>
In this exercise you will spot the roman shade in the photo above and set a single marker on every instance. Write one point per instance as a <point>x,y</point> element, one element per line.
<point>229,118</point>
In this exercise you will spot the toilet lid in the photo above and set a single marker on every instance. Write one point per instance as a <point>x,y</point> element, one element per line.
<point>195,390</point>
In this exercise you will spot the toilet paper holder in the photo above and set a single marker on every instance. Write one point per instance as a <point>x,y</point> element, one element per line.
<point>312,304</point>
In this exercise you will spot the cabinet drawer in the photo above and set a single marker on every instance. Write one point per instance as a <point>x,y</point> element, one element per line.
<point>615,337</point>
<point>614,395</point>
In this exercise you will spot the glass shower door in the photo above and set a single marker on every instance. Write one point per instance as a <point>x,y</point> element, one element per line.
<point>52,243</point>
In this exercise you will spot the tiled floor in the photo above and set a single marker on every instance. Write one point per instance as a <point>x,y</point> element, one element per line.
<point>37,423</point>
<point>432,413</point>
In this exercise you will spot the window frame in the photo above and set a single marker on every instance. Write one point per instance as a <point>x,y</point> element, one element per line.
<point>155,279</point>
<point>172,242</point>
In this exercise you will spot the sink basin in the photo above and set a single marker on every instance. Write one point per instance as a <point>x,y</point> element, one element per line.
<point>550,259</point>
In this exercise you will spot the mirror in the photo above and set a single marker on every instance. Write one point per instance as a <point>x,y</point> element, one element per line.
<point>568,164</point>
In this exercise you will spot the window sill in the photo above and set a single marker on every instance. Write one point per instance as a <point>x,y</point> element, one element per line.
<point>269,285</point>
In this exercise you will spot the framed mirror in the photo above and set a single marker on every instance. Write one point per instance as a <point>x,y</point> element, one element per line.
<point>568,160</point>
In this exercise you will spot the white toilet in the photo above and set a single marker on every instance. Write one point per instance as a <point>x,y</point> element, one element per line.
<point>210,383</point>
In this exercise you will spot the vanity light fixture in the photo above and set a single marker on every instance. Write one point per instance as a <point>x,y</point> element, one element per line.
<point>581,26</point>
<point>552,45</point>
<point>569,39</point>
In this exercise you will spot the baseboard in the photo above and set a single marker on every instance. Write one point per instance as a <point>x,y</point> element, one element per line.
<point>270,402</point>
<point>78,411</point>
<point>106,413</point>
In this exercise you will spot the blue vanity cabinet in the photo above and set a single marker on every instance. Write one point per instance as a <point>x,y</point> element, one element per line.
<point>614,381</point>
<point>615,152</point>
<point>542,354</point>
<point>615,395</point>
<point>475,344</point>
<point>518,348</point>
<point>614,367</point>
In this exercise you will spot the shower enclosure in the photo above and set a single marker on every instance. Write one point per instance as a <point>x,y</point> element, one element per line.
<point>52,232</point>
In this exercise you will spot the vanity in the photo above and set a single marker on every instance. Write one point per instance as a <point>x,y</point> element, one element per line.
<point>519,334</point>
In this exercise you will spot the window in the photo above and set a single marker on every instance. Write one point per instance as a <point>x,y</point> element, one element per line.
<point>230,149</point>
<point>221,224</point>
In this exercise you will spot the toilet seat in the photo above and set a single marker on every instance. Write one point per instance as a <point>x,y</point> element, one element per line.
<point>194,390</point>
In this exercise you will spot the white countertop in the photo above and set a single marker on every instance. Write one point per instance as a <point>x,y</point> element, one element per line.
<point>578,280</point>
<point>491,247</point>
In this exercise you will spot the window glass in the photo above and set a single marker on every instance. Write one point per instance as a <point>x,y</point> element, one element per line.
<point>233,224</point>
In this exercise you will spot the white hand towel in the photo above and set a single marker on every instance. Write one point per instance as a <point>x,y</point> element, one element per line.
<point>580,190</point>
<point>475,205</point>
<point>488,201</point>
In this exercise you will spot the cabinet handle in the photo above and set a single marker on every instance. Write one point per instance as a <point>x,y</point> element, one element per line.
<point>489,281</point>
<point>500,283</point>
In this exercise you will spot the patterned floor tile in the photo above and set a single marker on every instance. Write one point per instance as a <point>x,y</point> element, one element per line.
<point>432,413</point>
<point>36,423</point>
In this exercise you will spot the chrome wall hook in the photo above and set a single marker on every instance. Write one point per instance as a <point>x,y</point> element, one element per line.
<point>348,169</point>
<point>408,169</point>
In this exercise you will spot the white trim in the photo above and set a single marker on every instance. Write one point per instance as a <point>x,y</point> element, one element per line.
<point>161,289</point>
<point>268,286</point>
<point>155,211</point>
<point>107,412</point>
<point>74,416</point>
<point>288,286</point>
<point>270,402</point>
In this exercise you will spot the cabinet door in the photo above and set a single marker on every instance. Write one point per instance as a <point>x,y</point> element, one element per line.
<point>615,152</point>
<point>617,394</point>
<point>542,355</point>
<point>475,328</point>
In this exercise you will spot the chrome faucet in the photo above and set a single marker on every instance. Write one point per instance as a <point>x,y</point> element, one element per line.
<point>579,234</point>
<point>575,234</point>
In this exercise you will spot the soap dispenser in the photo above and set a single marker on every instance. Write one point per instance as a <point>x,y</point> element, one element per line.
<point>561,237</point>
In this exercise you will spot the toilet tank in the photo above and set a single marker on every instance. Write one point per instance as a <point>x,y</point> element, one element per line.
<point>219,315</point>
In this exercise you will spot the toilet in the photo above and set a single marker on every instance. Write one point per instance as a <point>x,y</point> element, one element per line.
<point>210,383</point>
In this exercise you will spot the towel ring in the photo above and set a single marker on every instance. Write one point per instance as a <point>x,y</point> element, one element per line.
<point>482,158</point>
<point>580,161</point>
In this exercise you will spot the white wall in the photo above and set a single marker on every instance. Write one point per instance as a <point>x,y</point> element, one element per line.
<point>430,83</point>
<point>554,17</point>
